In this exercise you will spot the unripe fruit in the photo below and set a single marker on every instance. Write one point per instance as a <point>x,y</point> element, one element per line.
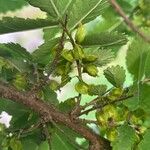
<point>80,34</point>
<point>107,116</point>
<point>81,87</point>
<point>111,134</point>
<point>68,55</point>
<point>78,52</point>
<point>115,93</point>
<point>90,58</point>
<point>53,85</point>
<point>91,70</point>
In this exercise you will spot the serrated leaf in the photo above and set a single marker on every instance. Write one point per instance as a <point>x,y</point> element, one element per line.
<point>104,56</point>
<point>18,112</point>
<point>144,143</point>
<point>84,11</point>
<point>17,56</point>
<point>115,75</point>
<point>104,39</point>
<point>43,55</point>
<point>55,8</point>
<point>97,89</point>
<point>126,138</point>
<point>50,33</point>
<point>11,5</point>
<point>137,54</point>
<point>9,25</point>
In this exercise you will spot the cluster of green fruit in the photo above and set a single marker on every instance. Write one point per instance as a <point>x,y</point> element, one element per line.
<point>110,117</point>
<point>68,59</point>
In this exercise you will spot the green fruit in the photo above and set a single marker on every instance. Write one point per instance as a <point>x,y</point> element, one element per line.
<point>115,93</point>
<point>15,144</point>
<point>53,85</point>
<point>90,58</point>
<point>107,115</point>
<point>135,120</point>
<point>78,52</point>
<point>64,80</point>
<point>80,34</point>
<point>111,134</point>
<point>142,129</point>
<point>81,87</point>
<point>91,70</point>
<point>68,55</point>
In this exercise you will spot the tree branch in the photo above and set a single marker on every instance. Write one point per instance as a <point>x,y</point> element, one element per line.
<point>127,21</point>
<point>49,112</point>
<point>104,104</point>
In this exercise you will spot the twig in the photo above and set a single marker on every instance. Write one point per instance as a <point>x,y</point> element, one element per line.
<point>85,121</point>
<point>100,106</point>
<point>52,65</point>
<point>59,49</point>
<point>22,131</point>
<point>127,21</point>
<point>94,101</point>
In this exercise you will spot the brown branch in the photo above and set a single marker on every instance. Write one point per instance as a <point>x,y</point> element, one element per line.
<point>100,106</point>
<point>49,112</point>
<point>127,21</point>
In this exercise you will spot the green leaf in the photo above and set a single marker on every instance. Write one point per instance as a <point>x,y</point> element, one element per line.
<point>104,39</point>
<point>60,142</point>
<point>50,33</point>
<point>126,138</point>
<point>67,105</point>
<point>143,97</point>
<point>43,55</point>
<point>44,146</point>
<point>97,89</point>
<point>104,56</point>
<point>17,56</point>
<point>50,96</point>
<point>55,8</point>
<point>145,144</point>
<point>11,5</point>
<point>85,11</point>
<point>29,145</point>
<point>147,66</point>
<point>115,75</point>
<point>9,25</point>
<point>136,59</point>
